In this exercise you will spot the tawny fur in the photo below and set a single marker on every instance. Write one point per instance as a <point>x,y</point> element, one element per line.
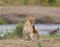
<point>29,30</point>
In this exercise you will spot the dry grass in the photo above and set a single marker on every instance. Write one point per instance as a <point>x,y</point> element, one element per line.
<point>51,42</point>
<point>44,42</point>
<point>17,43</point>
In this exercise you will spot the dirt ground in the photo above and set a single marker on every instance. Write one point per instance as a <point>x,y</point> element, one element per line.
<point>51,42</point>
<point>46,42</point>
<point>17,43</point>
<point>34,10</point>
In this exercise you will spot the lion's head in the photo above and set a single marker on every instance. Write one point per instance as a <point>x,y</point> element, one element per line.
<point>31,19</point>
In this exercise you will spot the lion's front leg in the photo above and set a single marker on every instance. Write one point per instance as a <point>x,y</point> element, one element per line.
<point>27,36</point>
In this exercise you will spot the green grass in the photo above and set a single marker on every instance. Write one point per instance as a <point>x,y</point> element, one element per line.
<point>2,21</point>
<point>31,2</point>
<point>51,36</point>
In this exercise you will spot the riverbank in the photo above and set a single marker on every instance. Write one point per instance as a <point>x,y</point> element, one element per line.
<point>14,14</point>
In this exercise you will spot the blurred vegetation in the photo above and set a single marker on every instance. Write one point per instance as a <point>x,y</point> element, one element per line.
<point>2,21</point>
<point>54,36</point>
<point>39,44</point>
<point>51,36</point>
<point>31,2</point>
<point>19,29</point>
<point>18,33</point>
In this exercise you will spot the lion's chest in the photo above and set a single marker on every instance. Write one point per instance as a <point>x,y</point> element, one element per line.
<point>28,29</point>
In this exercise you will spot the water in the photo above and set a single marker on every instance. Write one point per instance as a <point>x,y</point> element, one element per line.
<point>43,29</point>
<point>9,28</point>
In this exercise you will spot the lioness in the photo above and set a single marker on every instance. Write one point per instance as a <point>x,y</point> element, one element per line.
<point>29,31</point>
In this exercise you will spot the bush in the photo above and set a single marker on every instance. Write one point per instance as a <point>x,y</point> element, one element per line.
<point>25,2</point>
<point>31,2</point>
<point>51,1</point>
<point>19,29</point>
<point>44,2</point>
<point>18,33</point>
<point>2,21</point>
